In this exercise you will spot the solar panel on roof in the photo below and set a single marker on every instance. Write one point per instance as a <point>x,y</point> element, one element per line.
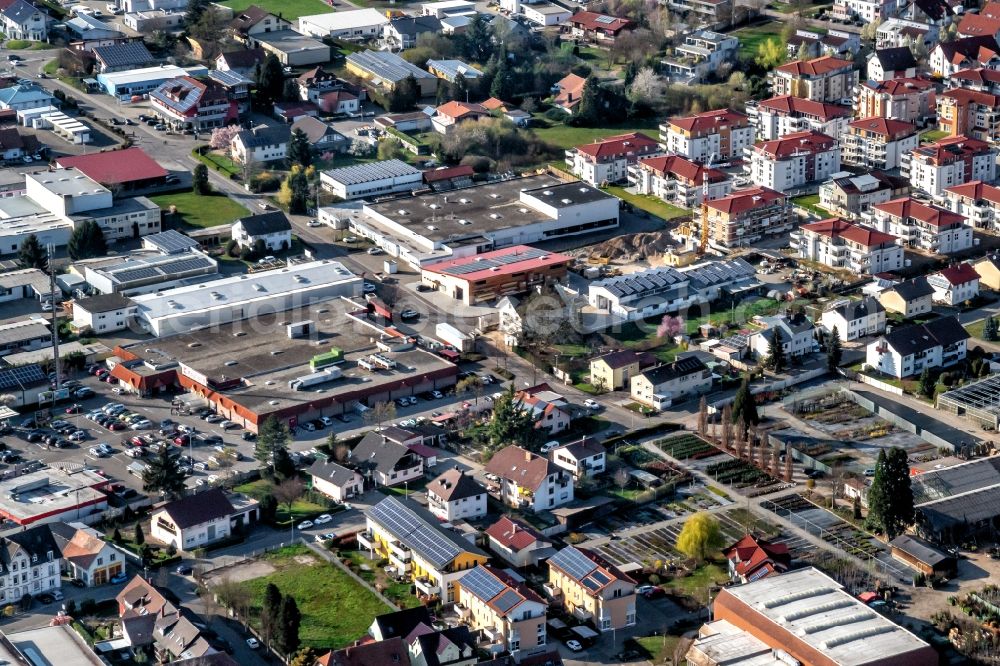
<point>607,20</point>
<point>482,583</point>
<point>189,264</point>
<point>133,274</point>
<point>22,375</point>
<point>484,263</point>
<point>601,577</point>
<point>573,562</point>
<point>507,600</point>
<point>591,584</point>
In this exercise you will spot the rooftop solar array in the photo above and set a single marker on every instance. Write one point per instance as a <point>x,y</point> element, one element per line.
<point>482,584</point>
<point>573,562</point>
<point>961,479</point>
<point>645,282</point>
<point>484,263</point>
<point>365,173</point>
<point>420,534</point>
<point>507,600</point>
<point>719,272</point>
<point>607,20</point>
<point>388,66</point>
<point>158,269</point>
<point>21,377</point>
<point>170,242</point>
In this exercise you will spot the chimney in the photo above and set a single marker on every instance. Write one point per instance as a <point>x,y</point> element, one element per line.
<point>527,455</point>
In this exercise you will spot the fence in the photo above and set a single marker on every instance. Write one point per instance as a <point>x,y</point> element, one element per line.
<point>882,386</point>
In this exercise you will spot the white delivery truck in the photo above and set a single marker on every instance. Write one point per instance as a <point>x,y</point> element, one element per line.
<point>450,335</point>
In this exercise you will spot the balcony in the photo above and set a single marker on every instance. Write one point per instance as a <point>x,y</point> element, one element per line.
<point>366,541</point>
<point>402,564</point>
<point>570,157</point>
<point>399,551</point>
<point>427,586</point>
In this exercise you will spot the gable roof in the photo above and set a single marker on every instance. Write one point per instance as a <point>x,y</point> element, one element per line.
<point>684,365</point>
<point>895,59</point>
<point>391,652</point>
<point>887,128</point>
<point>115,167</point>
<point>943,332</point>
<point>976,190</point>
<point>265,223</point>
<point>415,25</point>
<point>199,508</point>
<point>959,274</point>
<point>750,553</point>
<point>526,469</point>
<point>248,18</point>
<point>420,531</point>
<point>624,357</point>
<point>458,110</point>
<point>587,568</point>
<point>975,48</point>
<point>622,144</point>
<point>400,623</point>
<point>910,207</point>
<point>815,67</point>
<point>683,169</point>
<point>745,200</point>
<point>244,58</point>
<point>265,136</point>
<point>20,12</point>
<point>314,128</point>
<point>908,86</point>
<point>799,106</point>
<point>331,472</point>
<point>594,21</point>
<point>795,143</point>
<point>131,55</point>
<point>387,456</point>
<point>835,228</point>
<point>514,534</point>
<point>911,290</point>
<point>502,593</point>
<point>854,310</point>
<point>570,90</point>
<point>709,120</point>
<point>454,485</point>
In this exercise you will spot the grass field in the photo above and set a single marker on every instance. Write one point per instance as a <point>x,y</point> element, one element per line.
<point>200,211</point>
<point>811,203</point>
<point>931,136</point>
<point>975,329</point>
<point>288,9</point>
<point>751,36</point>
<point>335,610</point>
<point>301,509</point>
<point>565,136</point>
<point>697,584</point>
<point>652,205</point>
<point>22,44</point>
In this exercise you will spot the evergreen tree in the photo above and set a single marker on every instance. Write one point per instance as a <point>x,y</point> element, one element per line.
<point>588,111</point>
<point>31,254</point>
<point>299,150</point>
<point>271,81</point>
<point>270,610</point>
<point>163,474</point>
<point>745,407</point>
<point>284,467</point>
<point>116,536</point>
<point>87,241</point>
<point>195,9</point>
<point>990,329</point>
<point>290,90</point>
<point>890,498</point>
<point>139,537</point>
<point>502,80</point>
<point>268,508</point>
<point>511,423</point>
<point>295,191</point>
<point>199,180</point>
<point>460,88</point>
<point>631,69</point>
<point>927,383</point>
<point>775,353</point>
<point>272,435</point>
<point>478,39</point>
<point>289,619</point>
<point>834,351</point>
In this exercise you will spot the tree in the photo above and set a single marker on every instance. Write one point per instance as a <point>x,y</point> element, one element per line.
<point>380,413</point>
<point>927,383</point>
<point>511,423</point>
<point>775,359</point>
<point>588,111</point>
<point>163,474</point>
<point>304,657</point>
<point>648,87</point>
<point>294,191</point>
<point>404,95</point>
<point>703,416</point>
<point>834,351</point>
<point>727,427</point>
<point>391,149</point>
<point>222,137</point>
<point>31,254</point>
<point>284,467</point>
<point>770,53</point>
<point>502,86</point>
<point>856,507</point>
<point>460,88</point>
<point>745,407</point>
<point>199,180</point>
<point>478,39</point>
<point>288,491</point>
<point>890,498</point>
<point>268,508</point>
<point>789,465</point>
<point>621,477</point>
<point>116,536</point>
<point>87,241</point>
<point>195,8</point>
<point>472,384</point>
<point>700,537</point>
<point>289,619</point>
<point>139,537</point>
<point>299,150</point>
<point>273,434</point>
<point>270,609</point>
<point>990,329</point>
<point>270,81</point>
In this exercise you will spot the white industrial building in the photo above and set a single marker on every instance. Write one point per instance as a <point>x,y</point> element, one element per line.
<point>355,25</point>
<point>372,179</point>
<point>147,273</point>
<point>432,227</point>
<point>51,118</point>
<point>144,80</point>
<point>238,297</point>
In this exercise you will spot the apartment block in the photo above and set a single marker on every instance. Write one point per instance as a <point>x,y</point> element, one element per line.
<point>910,100</point>
<point>824,79</point>
<point>794,160</point>
<point>878,143</point>
<point>590,588</point>
<point>840,244</point>
<point>608,161</point>
<point>712,136</point>
<point>747,216</point>
<point>679,180</point>
<point>923,226</point>
<point>977,202</point>
<point>509,613</point>
<point>962,112</point>
<point>934,167</point>
<point>778,116</point>
<point>849,196</point>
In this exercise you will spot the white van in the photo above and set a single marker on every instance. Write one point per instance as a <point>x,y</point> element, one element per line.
<point>548,446</point>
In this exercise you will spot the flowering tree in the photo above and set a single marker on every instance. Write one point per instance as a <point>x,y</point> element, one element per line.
<point>222,137</point>
<point>670,326</point>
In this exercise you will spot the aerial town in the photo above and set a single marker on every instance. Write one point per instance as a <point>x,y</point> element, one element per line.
<point>499,332</point>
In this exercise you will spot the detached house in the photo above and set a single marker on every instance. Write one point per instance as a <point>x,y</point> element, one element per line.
<point>449,115</point>
<point>549,409</point>
<point>797,335</point>
<point>891,63</point>
<point>608,160</point>
<point>909,298</point>
<point>954,285</point>
<point>506,610</point>
<point>329,92</point>
<point>590,588</point>
<point>23,20</point>
<point>335,481</point>
<point>261,144</point>
<point>855,319</point>
<point>272,229</point>
<point>585,457</point>
<point>148,619</point>
<point>599,27</point>
<point>753,558</point>
<point>254,22</point>
<point>615,370</point>
<point>661,386</point>
<point>528,480</point>
<point>201,519</point>
<point>29,563</point>
<point>455,495</point>
<point>517,543</point>
<point>906,351</point>
<point>86,555</point>
<point>988,269</point>
<point>948,58</point>
<point>384,462</point>
<point>322,137</point>
<point>568,92</point>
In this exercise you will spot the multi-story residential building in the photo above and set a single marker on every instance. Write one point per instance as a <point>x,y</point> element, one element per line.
<point>909,100</point>
<point>506,610</point>
<point>261,144</point>
<point>869,11</point>
<point>591,588</point>
<point>855,319</point>
<point>528,480</point>
<point>679,180</point>
<point>901,32</point>
<point>907,350</point>
<point>419,547</point>
<point>746,216</point>
<point>661,386</point>
<point>797,335</point>
<point>517,543</point>
<point>256,22</point>
<point>384,462</point>
<point>778,116</point>
<point>840,244</point>
<point>584,457</point>
<point>954,285</point>
<point>935,12</point>
<point>614,371</point>
<point>977,202</point>
<point>909,298</point>
<point>202,519</point>
<point>549,408</point>
<point>608,160</point>
<point>715,14</point>
<point>896,62</point>
<point>923,226</point>
<point>984,22</point>
<point>456,496</point>
<point>713,136</point>
<point>850,196</point>
<point>934,167</point>
<point>878,143</point>
<point>187,103</point>
<point>968,53</point>
<point>972,113</point>
<point>701,53</point>
<point>30,562</point>
<point>810,44</point>
<point>794,160</point>
<point>824,79</point>
<point>980,78</point>
<point>86,555</point>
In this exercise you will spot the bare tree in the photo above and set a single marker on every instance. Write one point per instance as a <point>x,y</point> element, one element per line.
<point>380,413</point>
<point>727,427</point>
<point>233,596</point>
<point>341,452</point>
<point>741,440</point>
<point>288,491</point>
<point>621,477</point>
<point>775,460</point>
<point>789,465</point>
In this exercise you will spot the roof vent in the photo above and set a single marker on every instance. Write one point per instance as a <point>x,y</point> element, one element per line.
<point>431,227</point>
<point>435,206</point>
<point>547,193</point>
<point>239,334</point>
<point>523,211</point>
<point>464,222</point>
<point>494,216</point>
<point>229,364</point>
<point>567,202</point>
<point>463,200</point>
<point>401,211</point>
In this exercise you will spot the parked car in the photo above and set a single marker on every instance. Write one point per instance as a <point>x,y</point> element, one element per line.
<point>252,643</point>
<point>590,403</point>
<point>323,519</point>
<point>184,569</point>
<point>120,578</point>
<point>305,525</point>
<point>409,314</point>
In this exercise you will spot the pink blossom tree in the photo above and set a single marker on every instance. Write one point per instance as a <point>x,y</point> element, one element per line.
<point>222,137</point>
<point>670,326</point>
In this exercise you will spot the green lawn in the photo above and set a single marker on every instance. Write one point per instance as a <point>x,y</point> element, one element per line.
<point>975,329</point>
<point>650,204</point>
<point>22,44</point>
<point>696,585</point>
<point>811,203</point>
<point>565,136</point>
<point>657,649</point>
<point>196,210</point>
<point>931,136</point>
<point>335,610</point>
<point>751,36</point>
<point>51,67</point>
<point>290,10</point>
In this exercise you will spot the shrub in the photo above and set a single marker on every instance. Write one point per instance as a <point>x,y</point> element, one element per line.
<point>88,606</point>
<point>265,182</point>
<point>479,163</point>
<point>556,115</point>
<point>232,248</point>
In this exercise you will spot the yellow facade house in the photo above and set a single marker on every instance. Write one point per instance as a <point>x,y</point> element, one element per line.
<point>418,547</point>
<point>507,611</point>
<point>615,370</point>
<point>989,272</point>
<point>592,589</point>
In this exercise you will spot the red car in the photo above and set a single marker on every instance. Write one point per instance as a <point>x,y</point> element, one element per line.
<point>116,426</point>
<point>655,593</point>
<point>138,441</point>
<point>182,440</point>
<point>74,409</point>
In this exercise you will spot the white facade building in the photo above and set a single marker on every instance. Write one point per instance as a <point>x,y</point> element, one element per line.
<point>955,285</point>
<point>924,226</point>
<point>371,180</point>
<point>935,167</point>
<point>840,244</point>
<point>855,319</point>
<point>794,160</point>
<point>352,25</point>
<point>455,495</point>
<point>906,351</point>
<point>714,136</point>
